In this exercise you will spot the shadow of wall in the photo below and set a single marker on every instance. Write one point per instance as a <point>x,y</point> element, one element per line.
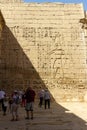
<point>16,69</point>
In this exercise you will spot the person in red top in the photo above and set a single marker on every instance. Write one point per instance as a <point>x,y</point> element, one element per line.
<point>30,97</point>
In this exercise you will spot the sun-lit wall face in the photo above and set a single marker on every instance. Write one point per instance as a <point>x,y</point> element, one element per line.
<point>45,43</point>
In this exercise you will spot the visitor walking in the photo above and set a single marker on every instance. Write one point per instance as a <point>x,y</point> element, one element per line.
<point>30,97</point>
<point>23,103</point>
<point>41,97</point>
<point>15,106</point>
<point>46,99</point>
<point>5,104</point>
<point>2,94</point>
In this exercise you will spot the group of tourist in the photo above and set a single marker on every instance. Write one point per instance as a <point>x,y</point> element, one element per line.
<point>44,97</point>
<point>25,99</point>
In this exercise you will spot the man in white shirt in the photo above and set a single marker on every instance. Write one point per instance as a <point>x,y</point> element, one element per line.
<point>2,94</point>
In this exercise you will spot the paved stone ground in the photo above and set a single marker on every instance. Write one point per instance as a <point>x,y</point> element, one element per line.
<point>61,116</point>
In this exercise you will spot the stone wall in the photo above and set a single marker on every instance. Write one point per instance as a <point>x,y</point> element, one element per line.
<point>2,24</point>
<point>44,44</point>
<point>10,1</point>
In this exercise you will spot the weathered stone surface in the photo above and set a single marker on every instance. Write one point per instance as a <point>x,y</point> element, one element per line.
<point>10,1</point>
<point>2,24</point>
<point>44,44</point>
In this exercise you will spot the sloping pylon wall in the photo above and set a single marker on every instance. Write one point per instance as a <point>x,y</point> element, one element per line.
<point>45,43</point>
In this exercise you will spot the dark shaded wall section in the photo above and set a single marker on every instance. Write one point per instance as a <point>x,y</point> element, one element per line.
<point>2,25</point>
<point>13,74</point>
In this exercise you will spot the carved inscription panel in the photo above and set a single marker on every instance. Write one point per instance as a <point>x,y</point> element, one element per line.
<point>47,51</point>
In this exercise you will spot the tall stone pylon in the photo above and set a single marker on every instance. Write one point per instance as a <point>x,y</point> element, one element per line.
<point>44,44</point>
<point>10,1</point>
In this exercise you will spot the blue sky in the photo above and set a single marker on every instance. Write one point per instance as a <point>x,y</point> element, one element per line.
<point>64,1</point>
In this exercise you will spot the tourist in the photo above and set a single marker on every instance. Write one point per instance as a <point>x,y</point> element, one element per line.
<point>5,104</point>
<point>2,94</point>
<point>46,99</point>
<point>23,103</point>
<point>41,97</point>
<point>30,97</point>
<point>10,101</point>
<point>15,106</point>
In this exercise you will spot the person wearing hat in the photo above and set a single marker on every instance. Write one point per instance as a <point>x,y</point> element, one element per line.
<point>15,106</point>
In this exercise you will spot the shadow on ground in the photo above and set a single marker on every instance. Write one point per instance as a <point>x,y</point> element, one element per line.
<point>17,72</point>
